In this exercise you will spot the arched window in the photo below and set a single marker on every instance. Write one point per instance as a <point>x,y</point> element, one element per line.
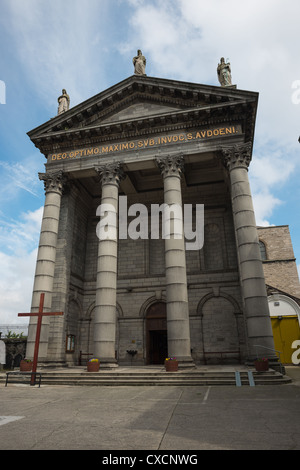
<point>263,251</point>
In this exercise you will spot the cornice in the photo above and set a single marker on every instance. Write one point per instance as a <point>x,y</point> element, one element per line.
<point>199,105</point>
<point>146,126</point>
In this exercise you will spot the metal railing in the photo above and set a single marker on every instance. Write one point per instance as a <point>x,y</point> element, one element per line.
<point>270,349</point>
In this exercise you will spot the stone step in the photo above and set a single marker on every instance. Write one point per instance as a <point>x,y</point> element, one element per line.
<point>144,377</point>
<point>132,378</point>
<point>145,373</point>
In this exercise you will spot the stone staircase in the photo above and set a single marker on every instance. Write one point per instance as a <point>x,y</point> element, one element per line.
<point>152,377</point>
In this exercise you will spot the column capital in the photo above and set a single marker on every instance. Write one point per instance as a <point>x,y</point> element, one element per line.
<point>54,181</point>
<point>111,173</point>
<point>237,156</point>
<point>171,165</point>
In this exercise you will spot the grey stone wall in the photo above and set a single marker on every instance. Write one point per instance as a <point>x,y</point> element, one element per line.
<point>215,309</point>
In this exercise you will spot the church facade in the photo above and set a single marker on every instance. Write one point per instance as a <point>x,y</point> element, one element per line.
<point>137,298</point>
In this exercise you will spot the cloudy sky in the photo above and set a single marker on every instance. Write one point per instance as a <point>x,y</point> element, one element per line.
<point>87,46</point>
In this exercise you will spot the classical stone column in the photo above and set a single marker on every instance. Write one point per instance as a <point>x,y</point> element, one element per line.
<point>178,324</point>
<point>259,330</point>
<point>45,265</point>
<point>106,283</point>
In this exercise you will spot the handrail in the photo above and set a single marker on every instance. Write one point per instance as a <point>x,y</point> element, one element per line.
<point>265,347</point>
<point>81,354</point>
<point>270,349</point>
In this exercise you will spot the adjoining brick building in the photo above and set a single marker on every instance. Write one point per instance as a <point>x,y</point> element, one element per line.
<point>283,287</point>
<point>154,141</point>
<point>278,258</point>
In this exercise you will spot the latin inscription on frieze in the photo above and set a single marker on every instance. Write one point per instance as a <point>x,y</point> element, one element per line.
<point>134,145</point>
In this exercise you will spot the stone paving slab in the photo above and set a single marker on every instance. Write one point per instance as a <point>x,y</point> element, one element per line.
<point>142,418</point>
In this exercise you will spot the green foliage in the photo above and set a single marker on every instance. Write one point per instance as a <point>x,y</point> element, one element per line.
<point>11,335</point>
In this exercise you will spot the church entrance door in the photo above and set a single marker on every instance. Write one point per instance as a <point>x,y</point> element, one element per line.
<point>156,333</point>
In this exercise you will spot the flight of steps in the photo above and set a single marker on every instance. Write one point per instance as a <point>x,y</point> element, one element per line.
<point>145,377</point>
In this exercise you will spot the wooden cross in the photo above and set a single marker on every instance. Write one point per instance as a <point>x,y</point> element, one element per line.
<point>40,314</point>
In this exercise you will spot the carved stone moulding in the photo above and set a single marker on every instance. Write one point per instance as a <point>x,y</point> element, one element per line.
<point>54,181</point>
<point>238,155</point>
<point>111,173</point>
<point>171,165</point>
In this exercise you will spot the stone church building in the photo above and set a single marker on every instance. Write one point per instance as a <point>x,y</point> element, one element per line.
<point>136,301</point>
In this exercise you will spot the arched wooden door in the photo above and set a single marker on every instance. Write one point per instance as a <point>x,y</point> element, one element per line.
<point>156,333</point>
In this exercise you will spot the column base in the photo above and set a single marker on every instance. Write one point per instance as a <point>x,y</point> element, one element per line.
<point>185,363</point>
<point>108,363</point>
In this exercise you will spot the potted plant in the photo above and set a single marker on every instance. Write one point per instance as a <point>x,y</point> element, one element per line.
<point>26,365</point>
<point>93,365</point>
<point>171,364</point>
<point>261,364</point>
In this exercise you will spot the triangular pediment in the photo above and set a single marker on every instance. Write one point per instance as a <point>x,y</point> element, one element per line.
<point>139,108</point>
<point>141,102</point>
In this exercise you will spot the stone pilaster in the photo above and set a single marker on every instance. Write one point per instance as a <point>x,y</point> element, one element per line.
<point>44,274</point>
<point>237,159</point>
<point>106,282</point>
<point>176,280</point>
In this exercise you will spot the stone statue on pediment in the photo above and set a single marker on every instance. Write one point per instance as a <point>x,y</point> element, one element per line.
<point>63,102</point>
<point>139,63</point>
<point>224,73</point>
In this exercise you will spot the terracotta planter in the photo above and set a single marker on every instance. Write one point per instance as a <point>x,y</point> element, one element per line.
<point>261,366</point>
<point>171,366</point>
<point>25,366</point>
<point>93,366</point>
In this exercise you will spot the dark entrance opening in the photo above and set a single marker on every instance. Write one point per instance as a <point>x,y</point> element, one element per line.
<point>158,349</point>
<point>157,337</point>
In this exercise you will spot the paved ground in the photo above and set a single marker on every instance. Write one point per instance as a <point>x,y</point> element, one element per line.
<point>153,418</point>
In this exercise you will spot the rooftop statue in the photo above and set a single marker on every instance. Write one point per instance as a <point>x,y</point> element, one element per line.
<point>63,102</point>
<point>139,63</point>
<point>224,73</point>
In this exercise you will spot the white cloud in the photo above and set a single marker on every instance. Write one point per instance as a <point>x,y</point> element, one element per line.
<point>185,39</point>
<point>19,241</point>
<point>59,45</point>
<point>264,203</point>
<point>21,175</point>
<point>21,236</point>
<point>16,282</point>
<point>268,170</point>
